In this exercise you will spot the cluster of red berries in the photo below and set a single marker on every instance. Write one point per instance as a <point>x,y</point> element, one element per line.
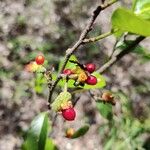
<point>88,68</point>
<point>69,114</point>
<point>91,80</point>
<point>84,73</point>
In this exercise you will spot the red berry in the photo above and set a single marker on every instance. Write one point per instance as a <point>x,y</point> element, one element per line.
<point>91,80</point>
<point>39,59</point>
<point>67,72</point>
<point>69,114</point>
<point>90,67</point>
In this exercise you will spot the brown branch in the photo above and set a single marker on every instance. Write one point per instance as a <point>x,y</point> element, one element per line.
<point>119,54</point>
<point>70,51</point>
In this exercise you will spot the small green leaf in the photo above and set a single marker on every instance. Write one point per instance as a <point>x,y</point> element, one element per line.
<point>62,98</point>
<point>105,110</point>
<point>126,21</point>
<point>37,134</point>
<point>100,84</point>
<point>80,132</point>
<point>50,145</point>
<point>142,8</point>
<point>69,65</point>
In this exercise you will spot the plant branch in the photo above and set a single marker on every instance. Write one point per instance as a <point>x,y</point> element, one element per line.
<point>97,38</point>
<point>70,51</point>
<point>119,54</point>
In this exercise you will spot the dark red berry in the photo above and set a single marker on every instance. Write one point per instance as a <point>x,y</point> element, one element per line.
<point>90,67</point>
<point>40,59</point>
<point>67,72</point>
<point>69,114</point>
<point>91,80</point>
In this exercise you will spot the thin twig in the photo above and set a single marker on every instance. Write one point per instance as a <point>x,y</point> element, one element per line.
<point>102,36</point>
<point>119,54</point>
<point>114,48</point>
<point>70,51</point>
<point>97,38</point>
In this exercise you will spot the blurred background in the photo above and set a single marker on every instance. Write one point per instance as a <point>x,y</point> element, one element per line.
<point>30,27</point>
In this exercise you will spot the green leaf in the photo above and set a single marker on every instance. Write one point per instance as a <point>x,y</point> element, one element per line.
<point>127,21</point>
<point>105,110</point>
<point>69,65</point>
<point>142,8</point>
<point>50,145</point>
<point>37,134</point>
<point>80,132</point>
<point>100,84</point>
<point>62,98</point>
<point>30,143</point>
<point>43,132</point>
<point>140,50</point>
<point>101,81</point>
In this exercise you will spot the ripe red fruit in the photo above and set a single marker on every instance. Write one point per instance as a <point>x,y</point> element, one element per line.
<point>91,80</point>
<point>69,114</point>
<point>67,72</point>
<point>39,59</point>
<point>90,67</point>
